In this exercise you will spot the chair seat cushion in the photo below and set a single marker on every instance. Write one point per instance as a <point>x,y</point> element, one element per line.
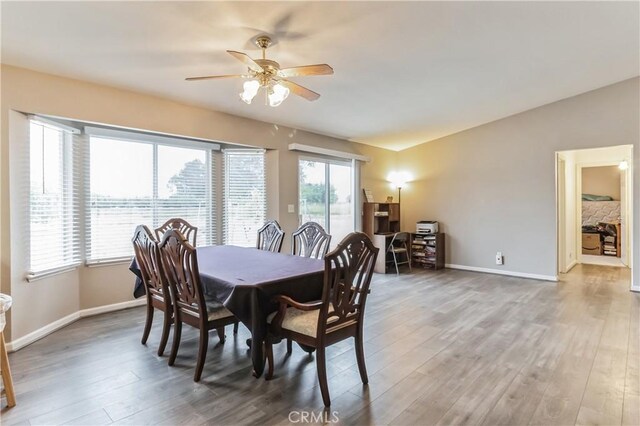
<point>303,322</point>
<point>216,310</point>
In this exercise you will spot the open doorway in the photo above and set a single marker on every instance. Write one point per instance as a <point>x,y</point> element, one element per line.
<point>602,224</point>
<point>594,202</point>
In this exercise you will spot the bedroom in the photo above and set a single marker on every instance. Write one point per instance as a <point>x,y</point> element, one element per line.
<point>594,195</point>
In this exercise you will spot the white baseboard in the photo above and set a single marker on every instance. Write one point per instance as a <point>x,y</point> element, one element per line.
<point>25,340</point>
<point>503,272</point>
<point>34,336</point>
<point>571,266</point>
<point>114,307</point>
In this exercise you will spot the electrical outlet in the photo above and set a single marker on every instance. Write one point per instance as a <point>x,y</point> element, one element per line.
<point>499,258</point>
<point>291,208</point>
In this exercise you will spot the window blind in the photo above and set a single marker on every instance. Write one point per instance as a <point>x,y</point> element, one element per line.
<point>138,182</point>
<point>185,189</point>
<point>244,208</point>
<point>54,194</point>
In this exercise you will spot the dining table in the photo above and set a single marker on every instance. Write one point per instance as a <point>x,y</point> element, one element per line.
<point>245,280</point>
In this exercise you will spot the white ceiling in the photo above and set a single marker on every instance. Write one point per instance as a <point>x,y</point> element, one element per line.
<point>405,73</point>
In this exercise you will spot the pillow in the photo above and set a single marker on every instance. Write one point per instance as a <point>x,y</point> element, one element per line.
<point>591,197</point>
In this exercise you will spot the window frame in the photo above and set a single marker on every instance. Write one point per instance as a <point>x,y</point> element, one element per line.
<point>71,247</point>
<point>327,161</point>
<point>210,150</point>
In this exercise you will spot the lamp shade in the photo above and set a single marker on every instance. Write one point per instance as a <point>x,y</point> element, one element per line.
<point>398,179</point>
<point>250,90</point>
<point>277,94</point>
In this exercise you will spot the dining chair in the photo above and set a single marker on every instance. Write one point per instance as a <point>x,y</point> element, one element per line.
<point>158,295</point>
<point>189,231</point>
<point>310,240</point>
<point>398,247</point>
<point>181,268</point>
<point>270,237</point>
<point>337,316</point>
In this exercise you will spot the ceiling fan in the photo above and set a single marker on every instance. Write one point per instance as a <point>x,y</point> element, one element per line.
<point>268,74</point>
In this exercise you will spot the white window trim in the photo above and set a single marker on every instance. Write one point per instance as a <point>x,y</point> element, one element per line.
<point>150,138</point>
<point>329,152</point>
<point>35,276</point>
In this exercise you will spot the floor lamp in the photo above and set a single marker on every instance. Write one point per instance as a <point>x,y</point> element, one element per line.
<point>398,180</point>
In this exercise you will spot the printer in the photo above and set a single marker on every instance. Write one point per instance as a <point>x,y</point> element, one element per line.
<point>426,227</point>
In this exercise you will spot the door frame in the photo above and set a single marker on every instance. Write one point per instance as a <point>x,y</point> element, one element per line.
<point>629,201</point>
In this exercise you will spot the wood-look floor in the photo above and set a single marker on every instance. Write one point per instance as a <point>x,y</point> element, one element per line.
<point>446,347</point>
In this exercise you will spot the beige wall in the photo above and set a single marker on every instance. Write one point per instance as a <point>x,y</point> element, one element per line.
<point>493,187</point>
<point>374,174</point>
<point>34,92</point>
<point>603,180</point>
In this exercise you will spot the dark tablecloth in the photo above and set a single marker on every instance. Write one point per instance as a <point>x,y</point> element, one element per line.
<point>245,281</point>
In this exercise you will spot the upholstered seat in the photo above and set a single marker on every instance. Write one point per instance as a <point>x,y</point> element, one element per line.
<point>303,322</point>
<point>216,310</point>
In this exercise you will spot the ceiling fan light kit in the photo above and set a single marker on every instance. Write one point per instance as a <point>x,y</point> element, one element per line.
<point>267,74</point>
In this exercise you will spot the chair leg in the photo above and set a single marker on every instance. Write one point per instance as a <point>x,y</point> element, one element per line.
<point>177,334</point>
<point>166,326</point>
<point>6,373</point>
<point>409,260</point>
<point>202,352</point>
<point>268,350</point>
<point>147,324</point>
<point>220,331</point>
<point>395,262</point>
<point>360,357</point>
<point>235,327</point>
<point>289,346</point>
<point>321,364</point>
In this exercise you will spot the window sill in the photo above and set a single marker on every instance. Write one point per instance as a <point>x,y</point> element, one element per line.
<point>36,276</point>
<point>108,262</point>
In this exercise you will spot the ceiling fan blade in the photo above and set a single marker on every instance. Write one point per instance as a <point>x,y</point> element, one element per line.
<point>211,77</point>
<point>318,69</point>
<point>309,95</point>
<point>245,59</point>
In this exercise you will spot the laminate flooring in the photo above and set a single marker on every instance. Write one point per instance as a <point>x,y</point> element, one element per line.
<point>445,347</point>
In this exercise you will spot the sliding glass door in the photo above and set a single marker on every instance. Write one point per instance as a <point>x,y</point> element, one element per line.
<point>326,195</point>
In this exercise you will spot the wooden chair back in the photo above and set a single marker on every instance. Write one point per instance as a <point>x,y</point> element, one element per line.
<point>270,237</point>
<point>149,261</point>
<point>310,240</point>
<point>189,231</point>
<point>181,268</point>
<point>347,276</point>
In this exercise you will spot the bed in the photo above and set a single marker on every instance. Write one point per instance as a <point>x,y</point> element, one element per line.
<point>601,227</point>
<point>594,212</point>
